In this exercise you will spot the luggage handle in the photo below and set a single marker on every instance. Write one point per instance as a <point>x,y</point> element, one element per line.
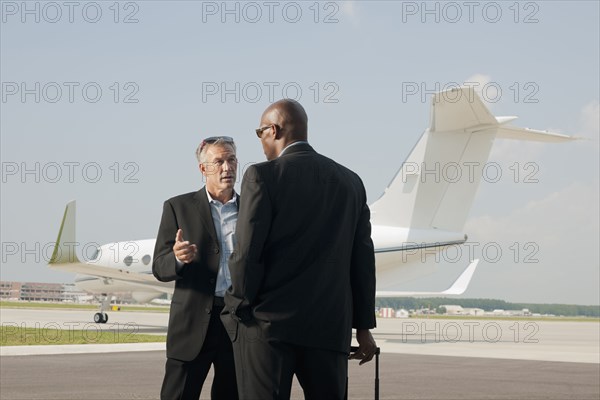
<point>354,349</point>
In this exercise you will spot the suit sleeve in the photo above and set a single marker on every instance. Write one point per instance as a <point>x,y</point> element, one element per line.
<point>246,264</point>
<point>165,267</point>
<point>362,272</point>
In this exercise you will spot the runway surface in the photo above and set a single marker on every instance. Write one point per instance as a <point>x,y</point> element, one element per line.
<point>138,376</point>
<point>421,359</point>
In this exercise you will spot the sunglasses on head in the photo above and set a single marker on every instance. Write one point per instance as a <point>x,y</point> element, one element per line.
<point>215,139</point>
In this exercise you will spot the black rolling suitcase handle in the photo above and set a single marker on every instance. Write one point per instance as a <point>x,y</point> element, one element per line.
<point>355,349</point>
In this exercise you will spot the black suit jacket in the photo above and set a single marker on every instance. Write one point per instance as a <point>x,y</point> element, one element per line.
<point>303,266</point>
<point>195,282</point>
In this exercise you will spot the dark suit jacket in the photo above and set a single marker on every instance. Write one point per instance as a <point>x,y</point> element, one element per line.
<point>304,266</point>
<point>195,282</point>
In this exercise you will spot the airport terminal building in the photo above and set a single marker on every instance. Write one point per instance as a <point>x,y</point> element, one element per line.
<point>50,292</point>
<point>40,291</point>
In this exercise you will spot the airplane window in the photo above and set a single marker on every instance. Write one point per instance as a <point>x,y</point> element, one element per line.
<point>95,255</point>
<point>146,259</point>
<point>128,260</point>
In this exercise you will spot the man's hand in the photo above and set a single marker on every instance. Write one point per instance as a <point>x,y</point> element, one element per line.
<point>183,250</point>
<point>366,346</point>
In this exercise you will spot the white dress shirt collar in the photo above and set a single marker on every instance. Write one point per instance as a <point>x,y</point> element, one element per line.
<point>211,200</point>
<point>290,145</point>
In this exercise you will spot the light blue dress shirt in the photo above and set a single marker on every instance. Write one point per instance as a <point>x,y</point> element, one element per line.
<point>224,218</point>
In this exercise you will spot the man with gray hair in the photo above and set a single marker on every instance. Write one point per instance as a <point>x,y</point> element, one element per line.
<point>196,338</point>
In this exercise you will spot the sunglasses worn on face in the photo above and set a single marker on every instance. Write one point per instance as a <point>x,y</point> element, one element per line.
<point>259,131</point>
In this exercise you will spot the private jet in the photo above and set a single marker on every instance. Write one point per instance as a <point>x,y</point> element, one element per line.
<point>425,206</point>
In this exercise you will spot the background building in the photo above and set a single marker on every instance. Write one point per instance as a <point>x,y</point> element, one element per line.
<point>52,292</point>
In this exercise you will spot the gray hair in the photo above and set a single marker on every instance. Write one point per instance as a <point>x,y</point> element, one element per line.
<point>213,141</point>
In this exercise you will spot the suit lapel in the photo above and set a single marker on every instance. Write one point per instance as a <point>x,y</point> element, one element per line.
<point>201,201</point>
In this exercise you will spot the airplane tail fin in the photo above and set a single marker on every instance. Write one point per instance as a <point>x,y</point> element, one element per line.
<point>436,185</point>
<point>64,249</point>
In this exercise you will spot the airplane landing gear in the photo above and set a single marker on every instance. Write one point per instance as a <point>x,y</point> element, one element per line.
<point>102,317</point>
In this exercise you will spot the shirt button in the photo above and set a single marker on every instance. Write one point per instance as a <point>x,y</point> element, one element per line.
<point>212,280</point>
<point>216,251</point>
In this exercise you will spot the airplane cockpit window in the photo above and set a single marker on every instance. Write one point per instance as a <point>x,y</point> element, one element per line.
<point>146,259</point>
<point>128,260</point>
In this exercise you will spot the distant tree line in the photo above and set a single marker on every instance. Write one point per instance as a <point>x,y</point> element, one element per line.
<point>434,303</point>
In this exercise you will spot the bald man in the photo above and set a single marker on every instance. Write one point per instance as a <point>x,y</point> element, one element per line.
<point>303,269</point>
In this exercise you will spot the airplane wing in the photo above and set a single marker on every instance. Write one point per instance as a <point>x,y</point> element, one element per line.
<point>458,287</point>
<point>137,279</point>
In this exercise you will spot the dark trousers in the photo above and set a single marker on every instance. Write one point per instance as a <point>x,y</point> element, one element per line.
<point>184,379</point>
<point>265,368</point>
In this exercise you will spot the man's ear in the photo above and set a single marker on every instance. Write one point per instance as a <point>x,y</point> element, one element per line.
<point>276,131</point>
<point>202,168</point>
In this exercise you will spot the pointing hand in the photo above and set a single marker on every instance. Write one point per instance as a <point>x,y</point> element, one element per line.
<point>184,251</point>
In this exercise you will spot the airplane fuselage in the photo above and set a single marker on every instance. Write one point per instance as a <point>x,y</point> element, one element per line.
<point>394,247</point>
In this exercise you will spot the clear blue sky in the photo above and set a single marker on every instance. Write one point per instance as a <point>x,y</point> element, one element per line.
<point>83,94</point>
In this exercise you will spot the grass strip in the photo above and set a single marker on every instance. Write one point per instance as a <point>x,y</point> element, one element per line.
<point>507,318</point>
<point>72,306</point>
<point>14,335</point>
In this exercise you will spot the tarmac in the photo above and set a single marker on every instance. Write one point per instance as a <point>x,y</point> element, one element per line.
<point>421,359</point>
